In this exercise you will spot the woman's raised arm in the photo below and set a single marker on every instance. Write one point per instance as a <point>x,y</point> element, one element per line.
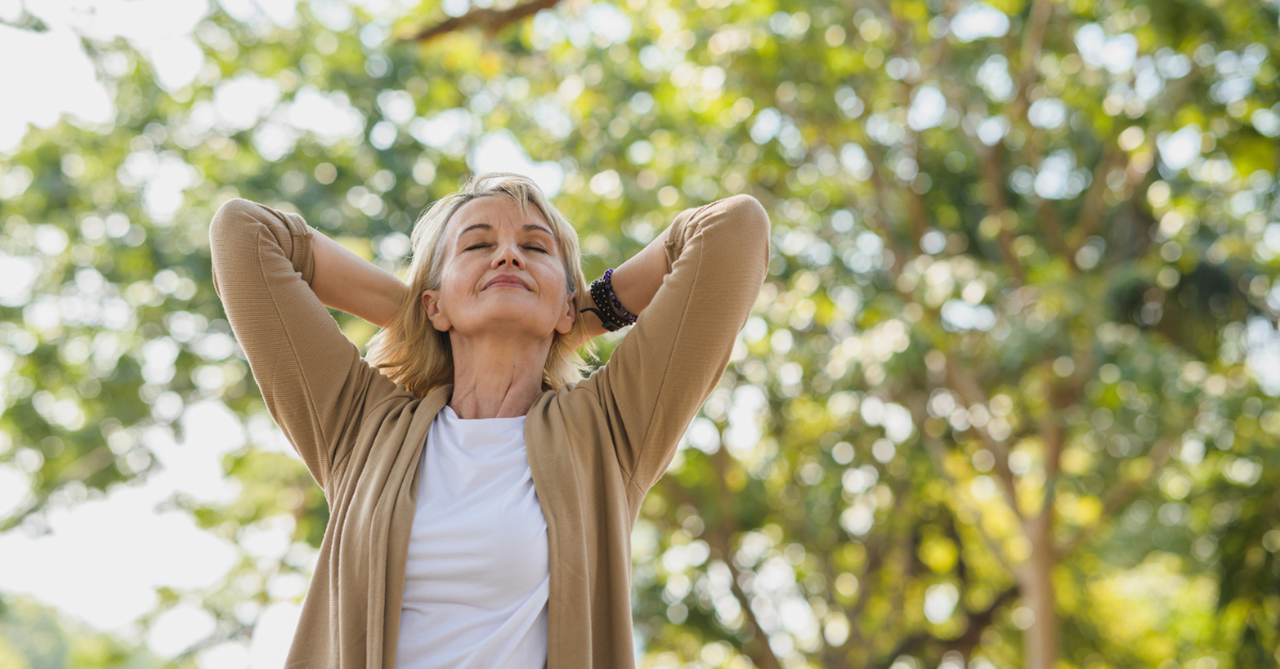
<point>312,378</point>
<point>669,362</point>
<point>347,282</point>
<point>636,281</point>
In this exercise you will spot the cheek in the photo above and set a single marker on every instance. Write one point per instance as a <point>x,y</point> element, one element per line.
<point>457,277</point>
<point>554,281</point>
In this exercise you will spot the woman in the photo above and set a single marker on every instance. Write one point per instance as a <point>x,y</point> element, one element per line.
<point>481,492</point>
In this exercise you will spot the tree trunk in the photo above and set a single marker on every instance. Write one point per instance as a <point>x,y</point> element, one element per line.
<point>1037,588</point>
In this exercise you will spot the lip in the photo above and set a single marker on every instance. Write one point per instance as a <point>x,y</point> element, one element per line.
<point>506,280</point>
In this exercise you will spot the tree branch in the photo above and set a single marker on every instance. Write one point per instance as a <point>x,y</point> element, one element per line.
<point>1121,496</point>
<point>721,541</point>
<point>1033,39</point>
<point>965,643</point>
<point>720,538</point>
<point>937,454</point>
<point>880,220</point>
<point>963,383</point>
<point>764,657</point>
<point>875,557</point>
<point>1052,226</point>
<point>78,470</point>
<point>1091,209</point>
<point>492,20</point>
<point>989,163</point>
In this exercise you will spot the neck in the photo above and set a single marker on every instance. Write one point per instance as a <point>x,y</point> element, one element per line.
<point>496,377</point>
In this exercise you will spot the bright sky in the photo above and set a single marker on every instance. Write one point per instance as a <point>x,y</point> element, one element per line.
<point>102,559</point>
<point>162,31</point>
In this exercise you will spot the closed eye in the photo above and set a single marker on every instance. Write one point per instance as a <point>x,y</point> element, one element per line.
<point>527,246</point>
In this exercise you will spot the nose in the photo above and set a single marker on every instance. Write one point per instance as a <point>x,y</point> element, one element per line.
<point>508,253</point>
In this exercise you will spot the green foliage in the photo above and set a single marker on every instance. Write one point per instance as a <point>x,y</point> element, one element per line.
<point>33,636</point>
<point>1005,340</point>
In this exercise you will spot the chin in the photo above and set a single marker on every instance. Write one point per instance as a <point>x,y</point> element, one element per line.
<point>517,328</point>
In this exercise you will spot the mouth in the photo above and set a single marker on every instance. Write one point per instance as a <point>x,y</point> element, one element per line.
<point>507,281</point>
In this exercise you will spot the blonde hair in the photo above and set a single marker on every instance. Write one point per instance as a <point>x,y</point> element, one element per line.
<point>412,353</point>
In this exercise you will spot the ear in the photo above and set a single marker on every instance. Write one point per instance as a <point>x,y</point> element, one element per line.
<point>565,325</point>
<point>431,306</point>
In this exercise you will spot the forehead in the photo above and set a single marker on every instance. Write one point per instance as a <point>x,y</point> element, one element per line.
<point>498,211</point>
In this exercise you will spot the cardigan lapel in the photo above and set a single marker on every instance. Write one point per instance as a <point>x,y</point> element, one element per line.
<point>555,478</point>
<point>402,514</point>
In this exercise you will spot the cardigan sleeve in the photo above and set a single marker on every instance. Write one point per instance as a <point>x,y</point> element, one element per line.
<point>312,378</point>
<point>662,371</point>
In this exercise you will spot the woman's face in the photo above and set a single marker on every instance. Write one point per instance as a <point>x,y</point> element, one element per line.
<point>503,273</point>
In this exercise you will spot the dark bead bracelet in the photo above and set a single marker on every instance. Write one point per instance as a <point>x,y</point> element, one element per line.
<point>611,312</point>
<point>607,280</point>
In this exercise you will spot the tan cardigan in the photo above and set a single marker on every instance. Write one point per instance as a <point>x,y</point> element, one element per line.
<point>594,450</point>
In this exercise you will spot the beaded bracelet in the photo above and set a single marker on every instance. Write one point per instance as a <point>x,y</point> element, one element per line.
<point>607,280</point>
<point>602,294</point>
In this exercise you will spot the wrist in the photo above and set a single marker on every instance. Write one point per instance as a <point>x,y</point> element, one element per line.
<point>608,308</point>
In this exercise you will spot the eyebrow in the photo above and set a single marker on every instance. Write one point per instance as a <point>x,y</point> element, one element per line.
<point>530,227</point>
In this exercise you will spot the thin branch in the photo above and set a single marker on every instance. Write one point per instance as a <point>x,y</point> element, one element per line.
<point>988,157</point>
<point>721,537</point>
<point>764,657</point>
<point>1033,39</point>
<point>492,20</point>
<point>937,454</point>
<point>875,556</point>
<point>992,177</point>
<point>906,548</point>
<point>917,209</point>
<point>1091,209</point>
<point>1121,496</point>
<point>1054,437</point>
<point>78,470</point>
<point>962,382</point>
<point>965,643</point>
<point>989,161</point>
<point>880,220</point>
<point>1050,429</point>
<point>1052,226</point>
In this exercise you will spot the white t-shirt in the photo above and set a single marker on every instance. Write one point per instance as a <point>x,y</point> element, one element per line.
<point>477,578</point>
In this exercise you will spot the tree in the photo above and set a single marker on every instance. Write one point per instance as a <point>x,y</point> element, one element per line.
<point>1008,372</point>
<point>37,637</point>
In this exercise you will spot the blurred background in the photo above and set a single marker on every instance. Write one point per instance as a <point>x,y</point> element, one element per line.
<point>1007,399</point>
